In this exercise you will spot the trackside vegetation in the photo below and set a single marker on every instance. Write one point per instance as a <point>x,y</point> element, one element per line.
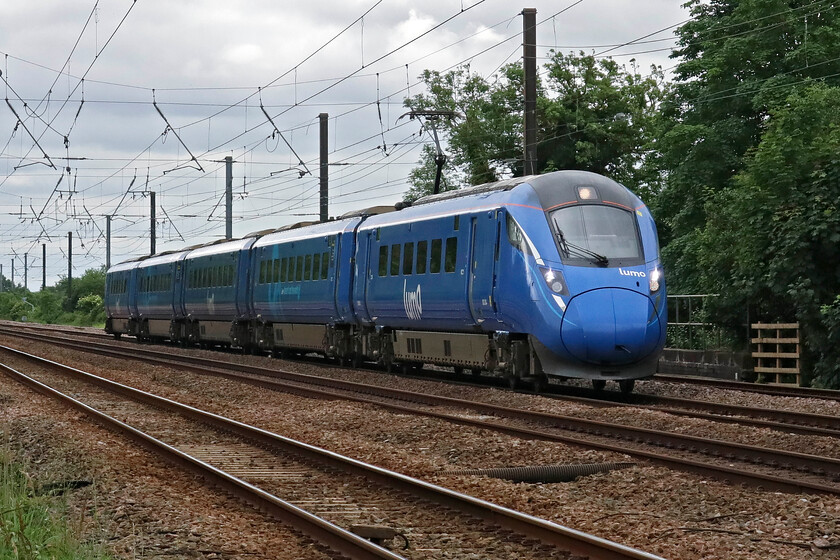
<point>33,526</point>
<point>82,306</point>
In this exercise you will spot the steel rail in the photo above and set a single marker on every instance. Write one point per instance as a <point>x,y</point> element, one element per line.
<point>769,389</point>
<point>338,539</point>
<point>665,439</point>
<point>776,390</point>
<point>799,461</point>
<point>576,542</point>
<point>802,423</point>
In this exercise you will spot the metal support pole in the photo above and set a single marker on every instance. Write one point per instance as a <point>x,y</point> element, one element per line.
<point>325,171</point>
<point>107,244</point>
<point>152,228</point>
<point>2,279</point>
<point>69,265</point>
<point>529,59</point>
<point>44,268</point>
<point>13,273</point>
<point>229,197</point>
<point>26,271</point>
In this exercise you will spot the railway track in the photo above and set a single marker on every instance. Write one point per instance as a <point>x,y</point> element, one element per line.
<point>801,423</point>
<point>767,468</point>
<point>340,497</point>
<point>766,389</point>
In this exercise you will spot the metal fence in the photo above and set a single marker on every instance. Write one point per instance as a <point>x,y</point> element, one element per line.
<point>688,323</point>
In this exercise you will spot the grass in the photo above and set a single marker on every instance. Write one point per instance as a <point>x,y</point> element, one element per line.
<point>35,527</point>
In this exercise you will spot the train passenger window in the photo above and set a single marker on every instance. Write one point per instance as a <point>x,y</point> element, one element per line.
<point>325,265</point>
<point>434,264</point>
<point>299,268</point>
<point>307,267</point>
<point>451,254</point>
<point>408,258</point>
<point>515,235</point>
<point>275,277</point>
<point>316,266</point>
<point>262,272</point>
<point>395,259</point>
<point>422,253</point>
<point>383,260</point>
<point>291,269</point>
<point>457,223</point>
<point>284,267</point>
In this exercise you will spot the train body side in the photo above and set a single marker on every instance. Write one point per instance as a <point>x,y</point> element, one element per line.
<point>215,292</point>
<point>157,287</point>
<point>120,297</point>
<point>507,277</point>
<point>429,268</point>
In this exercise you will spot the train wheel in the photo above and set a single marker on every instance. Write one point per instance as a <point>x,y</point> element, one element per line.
<point>117,336</point>
<point>626,385</point>
<point>540,383</point>
<point>458,370</point>
<point>599,384</point>
<point>513,381</point>
<point>476,371</point>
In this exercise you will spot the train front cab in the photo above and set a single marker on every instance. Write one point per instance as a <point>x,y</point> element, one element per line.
<point>607,282</point>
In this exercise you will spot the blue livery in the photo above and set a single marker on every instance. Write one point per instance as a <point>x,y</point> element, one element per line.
<point>552,275</point>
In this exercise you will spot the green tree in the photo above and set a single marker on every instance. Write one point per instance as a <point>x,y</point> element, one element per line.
<point>772,240</point>
<point>739,61</point>
<point>592,115</point>
<point>91,282</point>
<point>598,116</point>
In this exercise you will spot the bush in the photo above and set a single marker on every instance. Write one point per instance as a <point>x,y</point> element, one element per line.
<point>827,368</point>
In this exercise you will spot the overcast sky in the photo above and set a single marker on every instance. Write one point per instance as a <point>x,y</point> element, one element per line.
<point>209,66</point>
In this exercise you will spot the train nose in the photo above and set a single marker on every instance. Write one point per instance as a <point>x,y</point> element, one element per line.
<point>610,326</point>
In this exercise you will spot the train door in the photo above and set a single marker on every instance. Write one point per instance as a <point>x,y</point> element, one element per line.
<point>484,236</point>
<point>363,274</point>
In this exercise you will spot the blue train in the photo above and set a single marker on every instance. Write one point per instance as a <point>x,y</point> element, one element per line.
<point>550,275</point>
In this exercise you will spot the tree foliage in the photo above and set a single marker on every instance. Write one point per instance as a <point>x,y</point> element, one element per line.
<point>591,114</point>
<point>739,61</point>
<point>773,237</point>
<point>84,305</point>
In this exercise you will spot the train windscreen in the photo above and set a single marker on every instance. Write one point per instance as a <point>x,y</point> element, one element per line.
<point>597,234</point>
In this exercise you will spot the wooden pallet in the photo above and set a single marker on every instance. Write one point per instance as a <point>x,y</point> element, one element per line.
<point>776,351</point>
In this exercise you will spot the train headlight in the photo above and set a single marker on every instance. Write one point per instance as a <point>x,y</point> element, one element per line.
<point>654,278</point>
<point>555,281</point>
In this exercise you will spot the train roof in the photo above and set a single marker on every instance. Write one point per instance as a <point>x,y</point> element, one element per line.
<point>163,258</point>
<point>123,266</point>
<point>552,188</point>
<point>316,229</point>
<point>220,247</point>
<point>485,188</point>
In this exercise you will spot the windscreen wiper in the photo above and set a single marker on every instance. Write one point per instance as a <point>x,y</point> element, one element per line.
<point>570,249</point>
